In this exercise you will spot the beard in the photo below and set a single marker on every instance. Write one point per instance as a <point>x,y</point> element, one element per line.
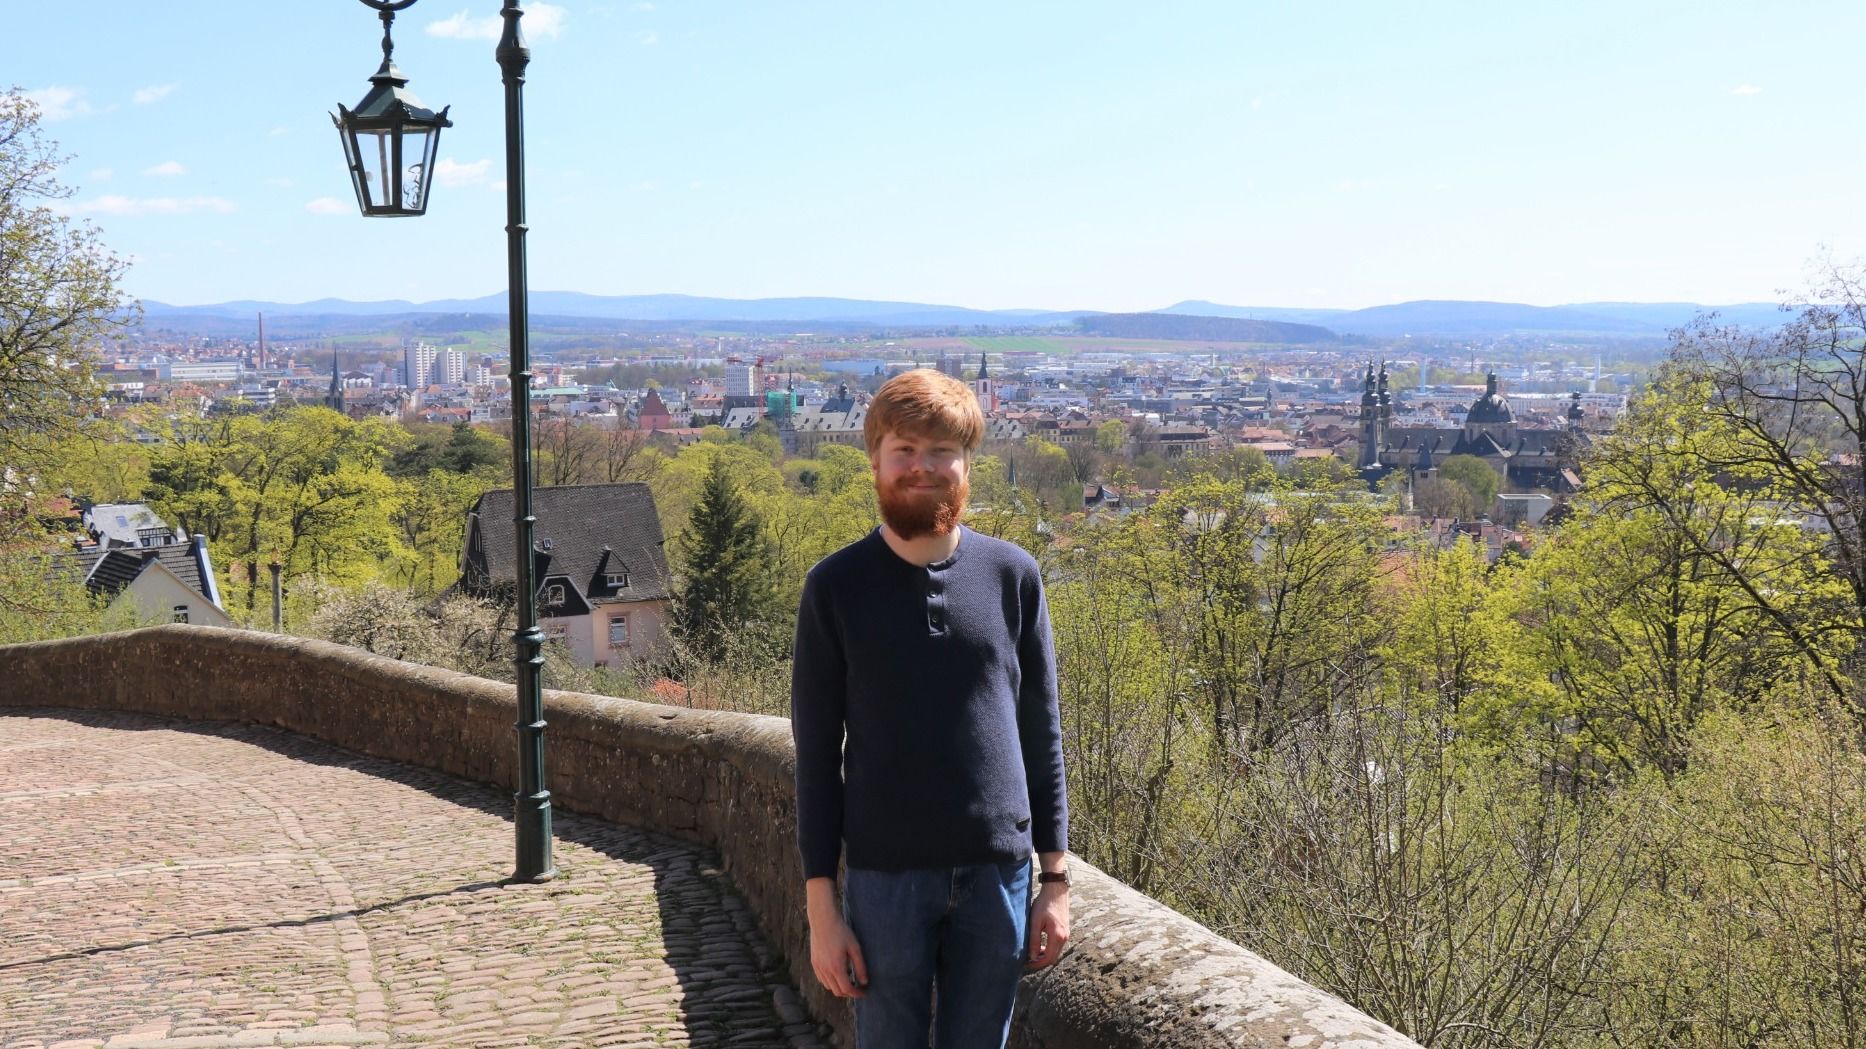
<point>912,513</point>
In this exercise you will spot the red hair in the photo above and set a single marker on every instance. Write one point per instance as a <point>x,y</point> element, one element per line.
<point>925,403</point>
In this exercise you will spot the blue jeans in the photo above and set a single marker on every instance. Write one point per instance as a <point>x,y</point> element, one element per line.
<point>944,948</point>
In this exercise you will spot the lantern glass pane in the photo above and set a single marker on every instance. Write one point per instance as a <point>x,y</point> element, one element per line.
<point>375,153</point>
<point>349,163</point>
<point>415,168</point>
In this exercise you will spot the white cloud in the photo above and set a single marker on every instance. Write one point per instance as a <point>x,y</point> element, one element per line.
<point>465,27</point>
<point>154,93</point>
<point>119,205</point>
<point>648,39</point>
<point>1257,103</point>
<point>59,103</point>
<point>541,21</point>
<point>166,169</point>
<point>281,182</point>
<point>101,174</point>
<point>544,20</point>
<point>450,172</point>
<point>644,6</point>
<point>327,206</point>
<point>1746,89</point>
<point>280,130</point>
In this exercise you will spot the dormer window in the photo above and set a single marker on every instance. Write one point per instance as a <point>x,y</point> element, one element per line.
<point>615,580</point>
<point>554,594</point>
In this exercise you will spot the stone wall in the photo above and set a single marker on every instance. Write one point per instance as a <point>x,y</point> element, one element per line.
<point>1136,973</point>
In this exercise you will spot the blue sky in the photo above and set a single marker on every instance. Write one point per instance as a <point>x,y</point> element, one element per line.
<point>1059,155</point>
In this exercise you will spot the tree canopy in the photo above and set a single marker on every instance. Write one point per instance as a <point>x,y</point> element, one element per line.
<point>59,299</point>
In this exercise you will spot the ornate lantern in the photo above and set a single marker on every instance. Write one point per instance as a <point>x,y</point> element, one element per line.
<point>390,139</point>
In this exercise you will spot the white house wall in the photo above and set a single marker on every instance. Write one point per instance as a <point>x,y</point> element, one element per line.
<point>157,591</point>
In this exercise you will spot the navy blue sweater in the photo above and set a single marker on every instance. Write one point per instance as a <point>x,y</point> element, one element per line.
<point>944,680</point>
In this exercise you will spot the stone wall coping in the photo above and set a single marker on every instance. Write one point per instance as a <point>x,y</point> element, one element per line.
<point>1136,974</point>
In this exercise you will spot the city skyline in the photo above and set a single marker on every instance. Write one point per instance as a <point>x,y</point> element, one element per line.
<point>1088,156</point>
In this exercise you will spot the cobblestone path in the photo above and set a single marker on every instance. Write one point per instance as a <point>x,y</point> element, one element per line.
<point>166,885</point>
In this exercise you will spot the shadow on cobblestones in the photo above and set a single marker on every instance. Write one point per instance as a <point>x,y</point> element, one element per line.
<point>234,930</point>
<point>348,901</point>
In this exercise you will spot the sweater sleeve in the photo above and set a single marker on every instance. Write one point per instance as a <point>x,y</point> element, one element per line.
<point>1039,721</point>
<point>817,695</point>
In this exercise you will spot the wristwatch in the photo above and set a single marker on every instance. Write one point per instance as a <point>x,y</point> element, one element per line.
<point>1052,877</point>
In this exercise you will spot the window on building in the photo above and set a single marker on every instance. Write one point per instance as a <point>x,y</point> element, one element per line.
<point>554,594</point>
<point>556,631</point>
<point>179,614</point>
<point>618,631</point>
<point>616,580</point>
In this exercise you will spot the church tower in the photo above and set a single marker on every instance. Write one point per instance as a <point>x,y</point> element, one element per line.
<point>983,388</point>
<point>1386,402</point>
<point>1369,460</point>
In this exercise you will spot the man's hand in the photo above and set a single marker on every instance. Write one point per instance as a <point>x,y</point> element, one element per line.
<point>1049,926</point>
<point>833,950</point>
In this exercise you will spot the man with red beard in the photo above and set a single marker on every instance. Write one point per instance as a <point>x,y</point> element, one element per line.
<point>929,746</point>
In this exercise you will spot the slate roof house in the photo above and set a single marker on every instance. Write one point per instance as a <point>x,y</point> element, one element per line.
<point>166,583</point>
<point>603,580</point>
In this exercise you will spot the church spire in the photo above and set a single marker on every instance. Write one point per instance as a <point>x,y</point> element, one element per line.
<point>334,399</point>
<point>982,372</point>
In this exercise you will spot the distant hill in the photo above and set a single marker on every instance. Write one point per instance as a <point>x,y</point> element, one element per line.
<point>1483,318</point>
<point>685,308</point>
<point>1461,317</point>
<point>1213,329</point>
<point>1290,314</point>
<point>1669,315</point>
<point>688,312</point>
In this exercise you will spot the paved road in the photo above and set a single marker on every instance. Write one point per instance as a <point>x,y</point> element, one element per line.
<point>166,885</point>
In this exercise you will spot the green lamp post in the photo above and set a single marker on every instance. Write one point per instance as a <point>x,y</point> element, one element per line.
<point>389,144</point>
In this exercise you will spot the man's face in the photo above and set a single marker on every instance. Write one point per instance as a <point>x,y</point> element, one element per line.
<point>922,483</point>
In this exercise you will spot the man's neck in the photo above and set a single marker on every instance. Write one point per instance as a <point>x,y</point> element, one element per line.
<point>922,550</point>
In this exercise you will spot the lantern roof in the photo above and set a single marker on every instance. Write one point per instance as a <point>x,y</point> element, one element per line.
<point>389,101</point>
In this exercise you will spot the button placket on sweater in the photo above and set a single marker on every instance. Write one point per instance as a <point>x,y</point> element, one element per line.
<point>935,585</point>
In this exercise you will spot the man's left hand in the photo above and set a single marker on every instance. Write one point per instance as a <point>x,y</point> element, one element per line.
<point>1049,926</point>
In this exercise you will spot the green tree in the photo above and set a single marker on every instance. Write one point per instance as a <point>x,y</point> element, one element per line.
<point>678,481</point>
<point>303,485</point>
<point>459,448</point>
<point>1785,413</point>
<point>724,588</point>
<point>59,300</point>
<point>1455,640</point>
<point>1476,477</point>
<point>1044,469</point>
<point>1702,477</point>
<point>1241,464</point>
<point>429,517</point>
<point>1111,438</point>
